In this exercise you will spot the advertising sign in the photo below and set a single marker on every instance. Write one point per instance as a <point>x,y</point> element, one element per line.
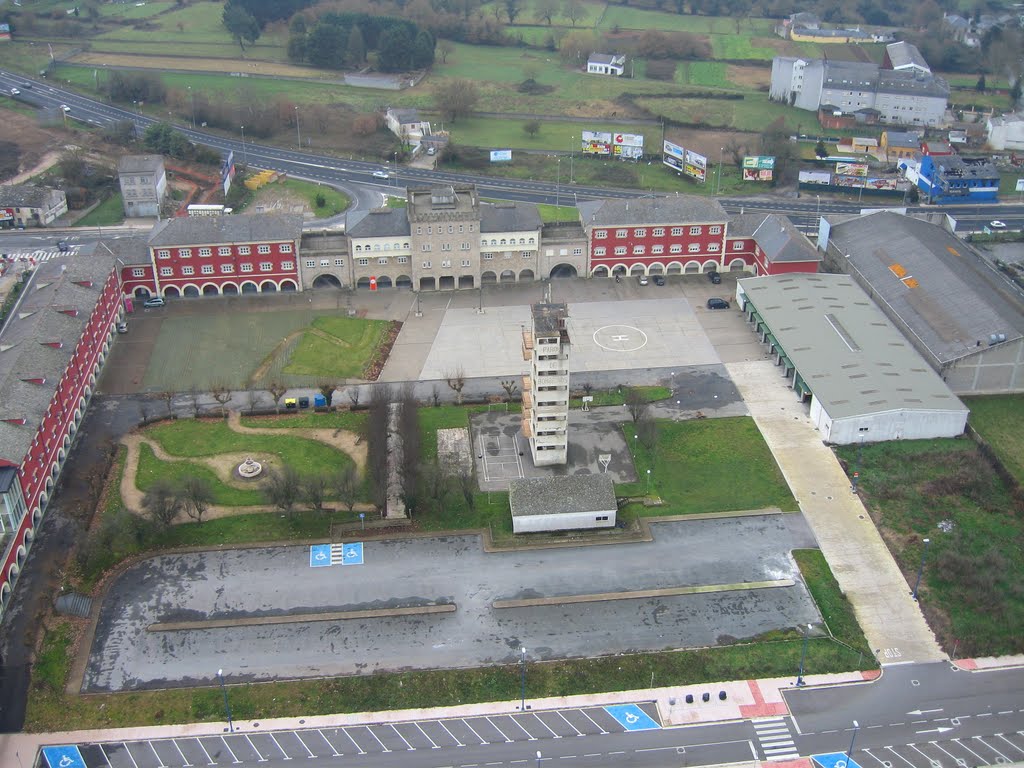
<point>501,155</point>
<point>851,169</point>
<point>227,171</point>
<point>1020,185</point>
<point>881,183</point>
<point>695,165</point>
<point>628,146</point>
<point>815,177</point>
<point>759,162</point>
<point>5,31</point>
<point>753,174</point>
<point>672,156</point>
<point>596,143</point>
<point>848,181</point>
<point>6,214</point>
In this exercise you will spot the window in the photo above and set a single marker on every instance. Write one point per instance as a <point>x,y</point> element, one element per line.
<point>339,262</point>
<point>620,250</point>
<point>163,254</point>
<point>419,230</point>
<point>677,231</point>
<point>425,247</point>
<point>693,248</point>
<point>426,265</point>
<point>658,232</point>
<point>285,248</point>
<point>737,245</point>
<point>166,271</point>
<point>487,256</point>
<point>639,233</point>
<point>325,262</point>
<point>599,251</point>
<point>677,248</point>
<point>657,249</point>
<point>446,264</point>
<point>405,245</point>
<point>451,229</point>
<point>713,247</point>
<point>359,248</point>
<point>362,262</point>
<point>287,266</point>
<point>227,269</point>
<point>402,259</point>
<point>205,251</point>
<point>185,253</point>
<point>526,254</point>
<point>600,234</point>
<point>715,231</point>
<point>382,260</point>
<point>446,246</point>
<point>601,518</point>
<point>577,251</point>
<point>266,266</point>
<point>464,247</point>
<point>244,250</point>
<point>188,270</point>
<point>639,250</point>
<point>263,249</point>
<point>138,272</point>
<point>621,233</point>
<point>461,229</point>
<point>694,230</point>
<point>533,241</point>
<point>207,269</point>
<point>376,246</point>
<point>310,263</point>
<point>247,267</point>
<point>465,262</point>
<point>224,250</point>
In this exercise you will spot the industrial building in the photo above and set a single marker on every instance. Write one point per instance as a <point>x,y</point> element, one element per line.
<point>567,503</point>
<point>864,381</point>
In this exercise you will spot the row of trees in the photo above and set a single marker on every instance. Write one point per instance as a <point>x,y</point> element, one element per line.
<point>337,40</point>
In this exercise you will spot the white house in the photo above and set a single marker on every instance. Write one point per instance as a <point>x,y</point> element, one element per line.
<point>406,124</point>
<point>1006,132</point>
<point>606,64</point>
<point>570,502</point>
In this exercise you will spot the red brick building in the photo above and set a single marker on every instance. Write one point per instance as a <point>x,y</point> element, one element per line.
<point>209,256</point>
<point>770,244</point>
<point>52,350</point>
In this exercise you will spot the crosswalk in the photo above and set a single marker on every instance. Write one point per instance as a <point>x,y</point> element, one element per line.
<point>36,257</point>
<point>775,738</point>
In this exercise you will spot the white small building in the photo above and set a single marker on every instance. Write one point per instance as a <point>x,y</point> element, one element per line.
<point>1006,132</point>
<point>572,502</point>
<point>29,205</point>
<point>606,64</point>
<point>406,124</point>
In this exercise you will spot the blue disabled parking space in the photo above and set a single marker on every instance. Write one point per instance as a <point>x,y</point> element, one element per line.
<point>320,555</point>
<point>352,554</point>
<point>632,718</point>
<point>835,760</point>
<point>63,757</point>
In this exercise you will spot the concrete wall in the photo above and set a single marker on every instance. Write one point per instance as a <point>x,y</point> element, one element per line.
<point>996,369</point>
<point>565,522</point>
<point>887,425</point>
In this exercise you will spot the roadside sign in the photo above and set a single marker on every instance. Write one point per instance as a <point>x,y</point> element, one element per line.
<point>352,553</point>
<point>1020,185</point>
<point>373,283</point>
<point>632,718</point>
<point>320,556</point>
<point>63,757</point>
<point>835,760</point>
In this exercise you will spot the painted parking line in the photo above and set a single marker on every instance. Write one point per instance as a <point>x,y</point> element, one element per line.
<point>901,757</point>
<point>64,757</point>
<point>328,742</point>
<point>473,730</point>
<point>596,724</point>
<point>835,760</point>
<point>632,718</point>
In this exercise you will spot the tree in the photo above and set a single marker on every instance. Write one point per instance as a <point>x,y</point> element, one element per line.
<point>283,488</point>
<point>346,486</point>
<point>355,51</point>
<point>327,390</point>
<point>466,479</point>
<point>636,403</point>
<point>820,150</point>
<point>394,49</point>
<point>510,387</point>
<point>197,496</point>
<point>456,98</point>
<point>73,166</point>
<point>574,11</point>
<point>162,502</point>
<point>531,128</point>
<point>1015,91</point>
<point>445,48</point>
<point>314,491</point>
<point>377,444</point>
<point>325,46</point>
<point>222,394</point>
<point>193,397</point>
<point>456,381</point>
<point>980,86</point>
<point>277,390</point>
<point>168,397</point>
<point>512,10</point>
<point>353,395</point>
<point>409,440</point>
<point>546,10</point>
<point>241,24</point>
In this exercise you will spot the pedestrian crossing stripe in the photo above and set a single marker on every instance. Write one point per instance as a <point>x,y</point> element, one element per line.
<point>775,738</point>
<point>36,256</point>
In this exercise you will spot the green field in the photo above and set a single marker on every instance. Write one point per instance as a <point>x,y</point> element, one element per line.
<point>151,469</point>
<point>337,347</point>
<point>944,490</point>
<point>741,47</point>
<point>709,74</point>
<point>1000,421</point>
<point>106,214</point>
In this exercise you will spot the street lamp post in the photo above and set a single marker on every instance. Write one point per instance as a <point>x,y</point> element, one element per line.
<point>298,132</point>
<point>572,142</point>
<point>522,679</point>
<point>849,752</point>
<point>538,758</point>
<point>558,184</point>
<point>803,657</point>
<point>648,482</point>
<point>635,438</point>
<point>718,191</point>
<point>227,706</point>
<point>192,98</point>
<point>245,156</point>
<point>920,569</point>
<point>817,210</point>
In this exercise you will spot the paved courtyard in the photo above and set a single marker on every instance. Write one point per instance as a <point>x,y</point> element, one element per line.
<point>246,584</point>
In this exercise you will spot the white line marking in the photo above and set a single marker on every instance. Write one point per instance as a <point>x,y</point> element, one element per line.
<point>439,722</point>
<point>993,749</point>
<point>276,744</point>
<point>602,730</point>
<point>231,752</point>
<point>185,759</point>
<point>158,758</point>
<point>578,731</point>
<point>874,757</point>
<point>262,758</point>
<point>104,753</point>
<point>787,748</point>
<point>555,735</point>
<point>938,746</point>
<point>410,746</point>
<point>432,744</point>
<point>361,750</point>
<point>507,739</point>
<point>303,744</point>
<point>369,730</point>
<point>529,736</point>
<point>986,762</point>
<point>901,757</point>
<point>1010,743</point>
<point>473,731</point>
<point>329,744</point>
<point>200,743</point>
<point>129,752</point>
<point>922,754</point>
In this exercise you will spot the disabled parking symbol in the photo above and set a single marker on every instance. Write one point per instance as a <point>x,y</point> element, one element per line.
<point>352,554</point>
<point>63,757</point>
<point>632,718</point>
<point>319,555</point>
<point>835,760</point>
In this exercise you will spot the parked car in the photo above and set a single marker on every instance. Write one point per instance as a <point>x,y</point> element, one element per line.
<point>122,327</point>
<point>643,279</point>
<point>431,150</point>
<point>716,303</point>
<point>714,277</point>
<point>153,301</point>
<point>381,175</point>
<point>659,280</point>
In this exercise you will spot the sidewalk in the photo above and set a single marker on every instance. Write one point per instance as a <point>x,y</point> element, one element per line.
<point>860,561</point>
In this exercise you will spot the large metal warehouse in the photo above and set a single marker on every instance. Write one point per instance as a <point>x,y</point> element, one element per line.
<point>864,380</point>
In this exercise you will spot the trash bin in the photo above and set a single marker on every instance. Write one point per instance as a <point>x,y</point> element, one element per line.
<point>303,402</point>
<point>319,401</point>
<point>290,402</point>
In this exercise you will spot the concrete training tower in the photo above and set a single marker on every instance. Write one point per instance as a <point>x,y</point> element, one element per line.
<point>546,388</point>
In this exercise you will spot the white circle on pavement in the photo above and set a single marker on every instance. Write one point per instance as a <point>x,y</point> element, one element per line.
<point>620,338</point>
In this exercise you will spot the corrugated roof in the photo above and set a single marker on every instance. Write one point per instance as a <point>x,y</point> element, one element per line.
<point>946,296</point>
<point>561,495</point>
<point>509,217</point>
<point>853,359</point>
<point>677,209</point>
<point>781,241</point>
<point>382,222</point>
<point>235,228</point>
<point>904,54</point>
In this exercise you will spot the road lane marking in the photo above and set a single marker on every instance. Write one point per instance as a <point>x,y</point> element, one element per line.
<point>276,744</point>
<point>410,746</point>
<point>361,750</point>
<point>260,754</point>
<point>602,730</point>
<point>297,736</point>
<point>231,752</point>
<point>517,724</point>
<point>104,753</point>
<point>439,722</point>
<point>959,761</point>
<point>993,749</point>
<point>1010,743</point>
<point>159,759</point>
<point>578,731</point>
<point>546,726</point>
<point>986,762</point>
<point>369,730</point>
<point>432,744</point>
<point>129,753</point>
<point>507,739</point>
<point>184,759</point>
<point>329,744</point>
<point>901,757</point>
<point>472,730</point>
<point>885,763</point>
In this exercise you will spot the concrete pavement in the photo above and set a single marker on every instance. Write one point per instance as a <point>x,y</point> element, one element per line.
<point>866,572</point>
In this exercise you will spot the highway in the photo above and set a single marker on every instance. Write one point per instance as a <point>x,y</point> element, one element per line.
<point>356,176</point>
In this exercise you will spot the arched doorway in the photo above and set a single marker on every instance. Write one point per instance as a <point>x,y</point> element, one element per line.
<point>326,281</point>
<point>737,265</point>
<point>465,281</point>
<point>426,283</point>
<point>563,270</point>
<point>488,278</point>
<point>692,268</point>
<point>675,268</point>
<point>601,271</point>
<point>210,290</point>
<point>655,269</point>
<point>619,269</point>
<point>141,293</point>
<point>363,282</point>
<point>268,287</point>
<point>171,292</point>
<point>403,281</point>
<point>191,291</point>
<point>446,283</point>
<point>383,282</point>
<point>508,276</point>
<point>250,288</point>
<point>526,276</point>
<point>229,289</point>
<point>287,286</point>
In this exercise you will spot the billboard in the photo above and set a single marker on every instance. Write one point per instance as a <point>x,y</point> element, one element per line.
<point>5,31</point>
<point>1020,186</point>
<point>672,156</point>
<point>851,169</point>
<point>596,143</point>
<point>759,162</point>
<point>889,184</point>
<point>848,181</point>
<point>695,165</point>
<point>815,177</point>
<point>227,171</point>
<point>501,155</point>
<point>628,146</point>
<point>754,174</point>
<point>6,214</point>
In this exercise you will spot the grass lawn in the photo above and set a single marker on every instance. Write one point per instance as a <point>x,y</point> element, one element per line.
<point>191,438</point>
<point>974,574</point>
<point>695,466</point>
<point>735,47</point>
<point>617,396</point>
<point>338,347</point>
<point>151,469</point>
<point>559,213</point>
<point>1000,420</point>
<point>334,201</point>
<point>710,74</point>
<point>49,709</point>
<point>352,421</point>
<point>106,214</point>
<point>832,603</point>
<point>504,134</point>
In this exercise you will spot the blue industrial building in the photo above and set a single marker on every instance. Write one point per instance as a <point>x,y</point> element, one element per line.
<point>953,179</point>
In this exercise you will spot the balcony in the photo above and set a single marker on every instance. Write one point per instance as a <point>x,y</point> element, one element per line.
<point>527,345</point>
<point>527,383</point>
<point>527,400</point>
<point>526,426</point>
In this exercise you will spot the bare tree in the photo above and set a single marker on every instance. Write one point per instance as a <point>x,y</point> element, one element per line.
<point>314,490</point>
<point>409,435</point>
<point>197,496</point>
<point>327,390</point>
<point>193,395</point>
<point>435,485</point>
<point>445,48</point>
<point>456,381</point>
<point>466,480</point>
<point>636,403</point>
<point>587,388</point>
<point>574,11</point>
<point>277,390</point>
<point>435,396</point>
<point>377,448</point>
<point>168,397</point>
<point>162,502</point>
<point>647,431</point>
<point>346,485</point>
<point>353,395</point>
<point>546,10</point>
<point>222,394</point>
<point>284,488</point>
<point>144,411</point>
<point>251,395</point>
<point>510,387</point>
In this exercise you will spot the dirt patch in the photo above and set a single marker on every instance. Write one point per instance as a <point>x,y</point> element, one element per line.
<point>276,198</point>
<point>748,77</point>
<point>260,373</point>
<point>189,64</point>
<point>38,147</point>
<point>709,143</point>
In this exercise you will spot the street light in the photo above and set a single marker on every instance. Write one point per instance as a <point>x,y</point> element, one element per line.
<point>635,438</point>
<point>558,183</point>
<point>920,569</point>
<point>538,758</point>
<point>192,97</point>
<point>572,142</point>
<point>298,132</point>
<point>245,156</point>
<point>856,727</point>
<point>227,706</point>
<point>803,656</point>
<point>719,190</point>
<point>522,680</point>
<point>648,482</point>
